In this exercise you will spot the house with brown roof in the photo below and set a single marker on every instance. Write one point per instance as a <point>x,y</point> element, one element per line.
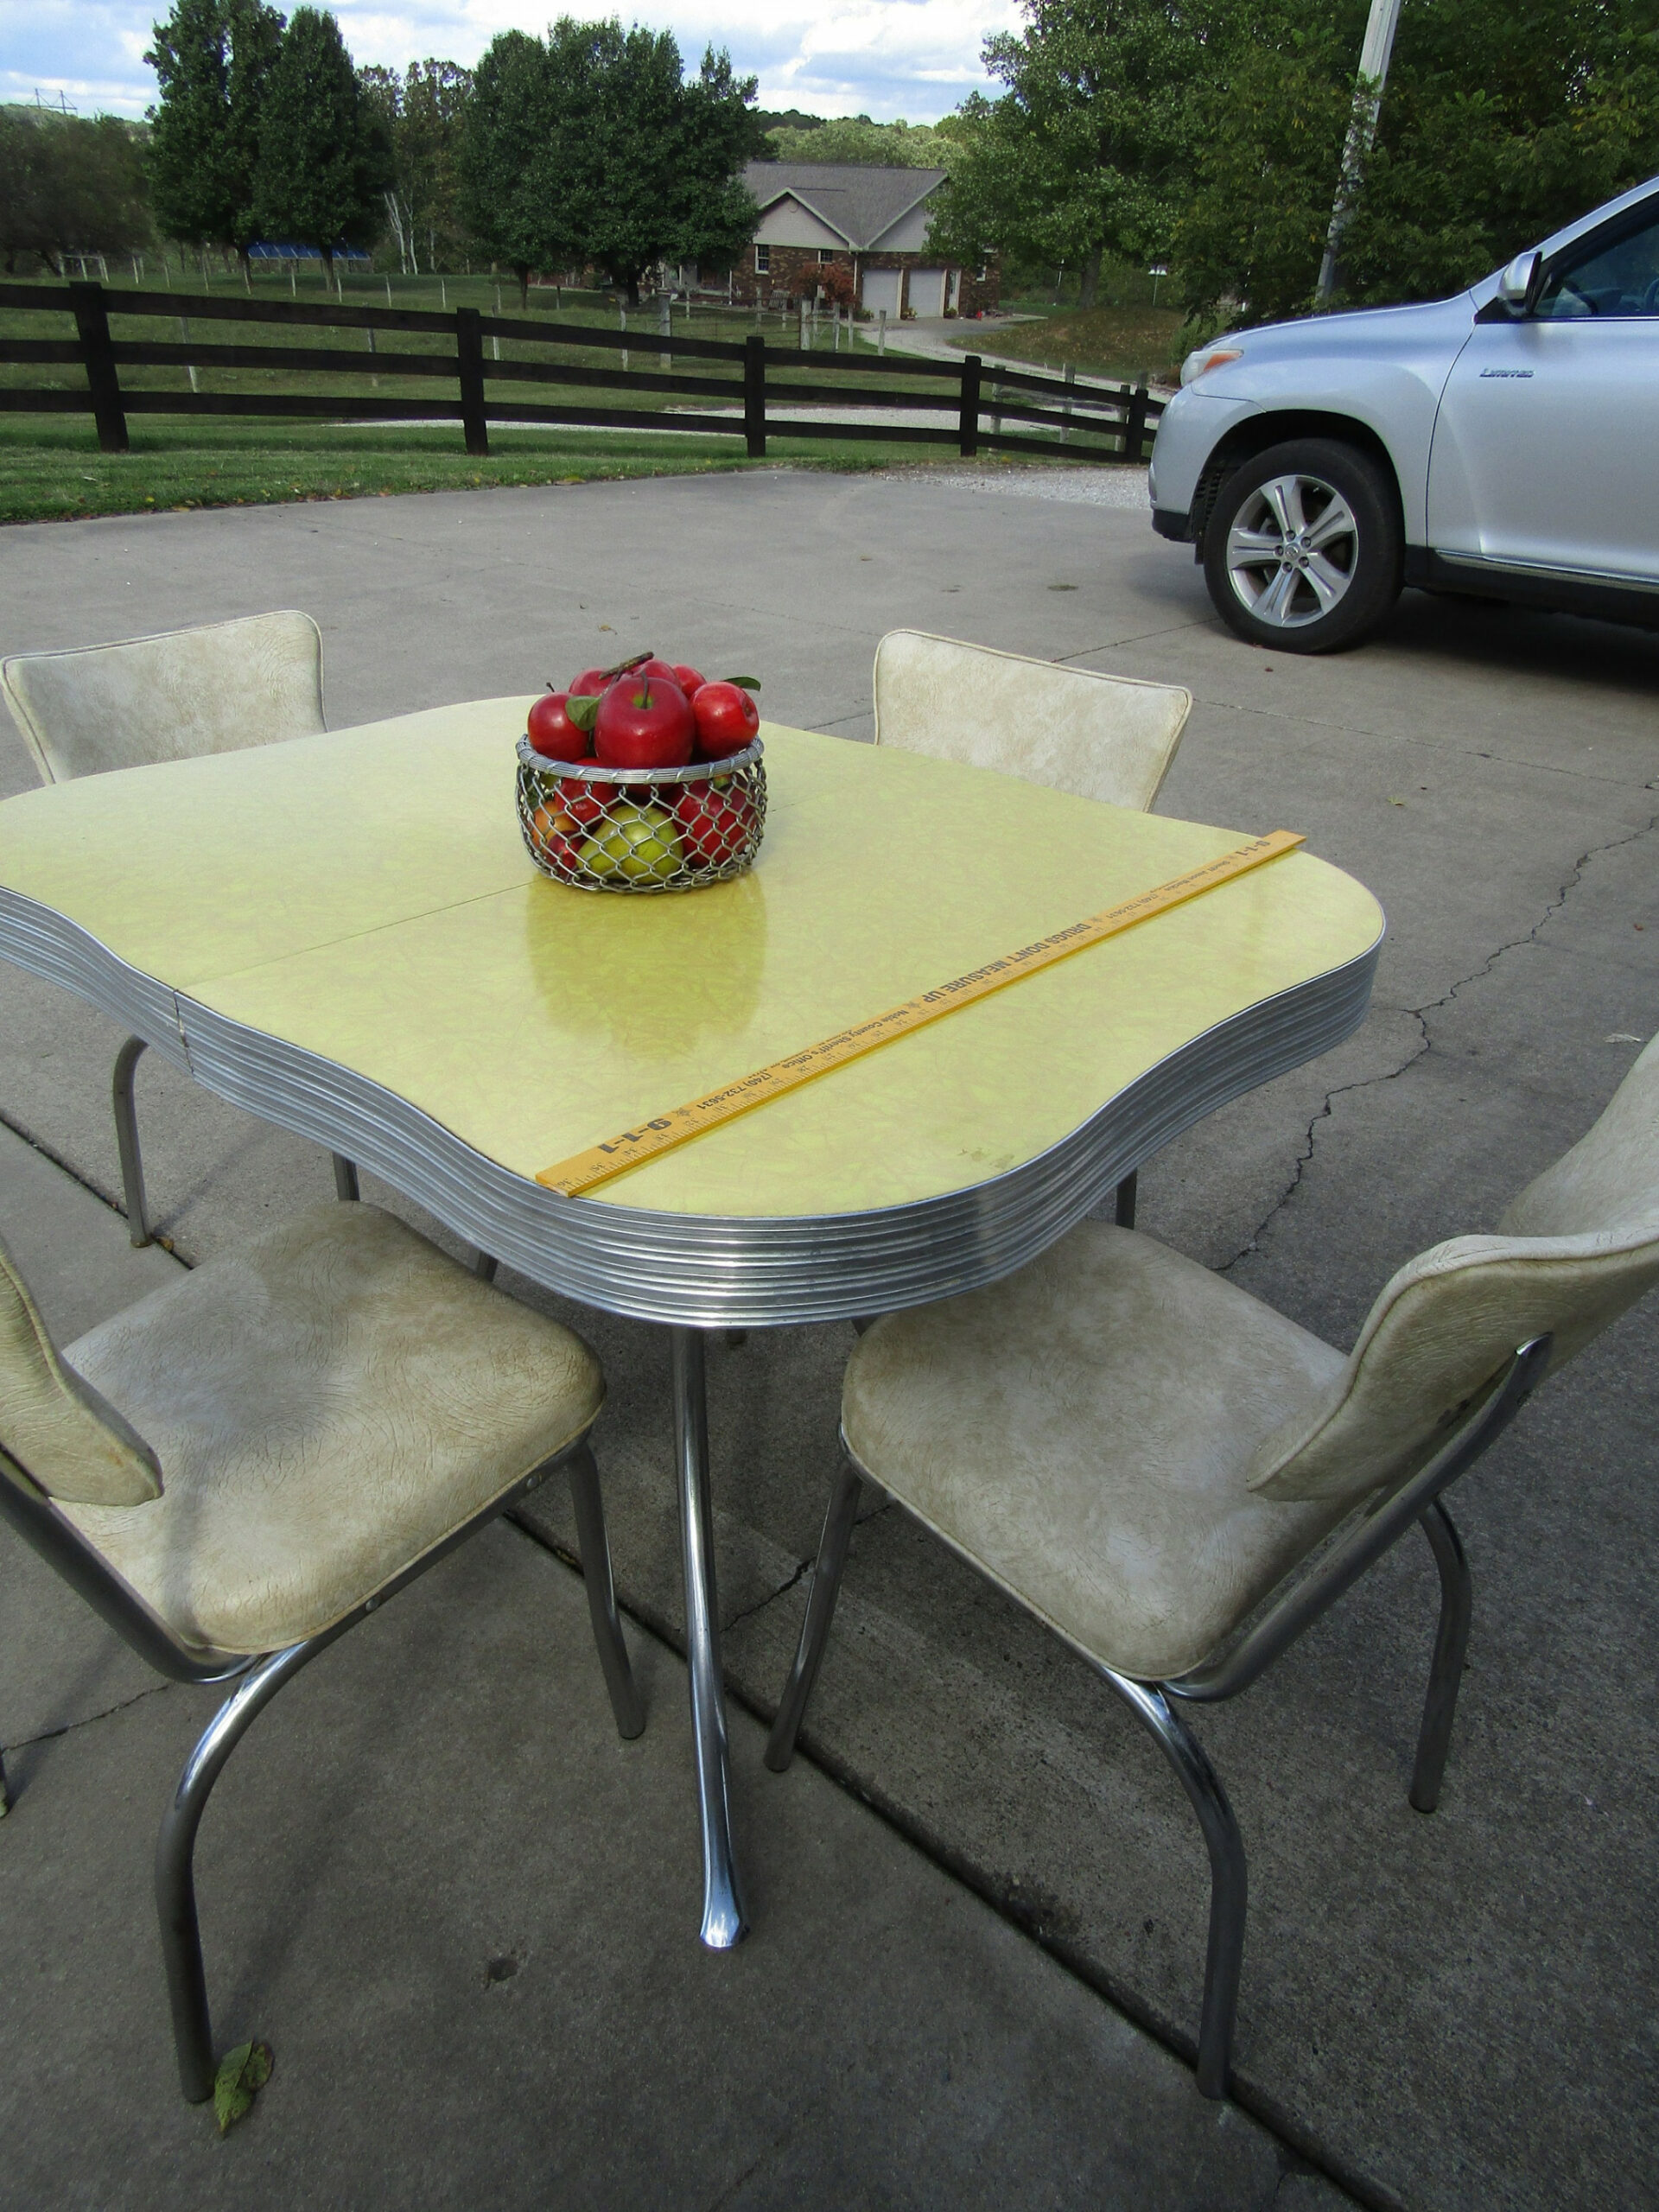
<point>869,223</point>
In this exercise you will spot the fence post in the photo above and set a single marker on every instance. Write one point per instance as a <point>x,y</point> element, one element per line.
<point>1134,422</point>
<point>98,354</point>
<point>755,396</point>
<point>968,424</point>
<point>469,350</point>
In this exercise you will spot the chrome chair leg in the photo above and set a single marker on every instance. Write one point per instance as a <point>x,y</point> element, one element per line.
<point>126,1140</point>
<point>1229,1876</point>
<point>345,1177</point>
<point>594,1546</point>
<point>820,1611</point>
<point>1123,1214</point>
<point>723,1920</point>
<point>176,1887</point>
<point>1451,1642</point>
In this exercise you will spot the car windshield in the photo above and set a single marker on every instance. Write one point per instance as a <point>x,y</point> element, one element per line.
<point>1621,279</point>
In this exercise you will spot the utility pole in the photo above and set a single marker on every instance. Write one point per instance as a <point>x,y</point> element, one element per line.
<point>1374,57</point>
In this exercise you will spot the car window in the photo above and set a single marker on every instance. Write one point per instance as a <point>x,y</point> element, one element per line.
<point>1621,279</point>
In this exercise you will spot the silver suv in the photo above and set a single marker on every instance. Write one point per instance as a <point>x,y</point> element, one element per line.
<point>1504,443</point>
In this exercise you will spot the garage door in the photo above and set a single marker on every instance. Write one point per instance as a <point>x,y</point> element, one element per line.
<point>881,290</point>
<point>927,292</point>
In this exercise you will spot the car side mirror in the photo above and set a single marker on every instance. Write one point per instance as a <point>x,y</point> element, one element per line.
<point>1515,286</point>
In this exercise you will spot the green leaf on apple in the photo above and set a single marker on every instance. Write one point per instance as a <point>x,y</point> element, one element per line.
<point>743,682</point>
<point>583,712</point>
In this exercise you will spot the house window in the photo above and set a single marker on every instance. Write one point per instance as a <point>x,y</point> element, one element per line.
<point>763,261</point>
<point>979,273</point>
<point>826,253</point>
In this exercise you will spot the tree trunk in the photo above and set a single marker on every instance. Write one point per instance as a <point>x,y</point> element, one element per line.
<point>1090,278</point>
<point>245,258</point>
<point>633,289</point>
<point>521,271</point>
<point>328,267</point>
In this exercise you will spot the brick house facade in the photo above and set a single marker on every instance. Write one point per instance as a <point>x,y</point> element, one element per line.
<point>869,223</point>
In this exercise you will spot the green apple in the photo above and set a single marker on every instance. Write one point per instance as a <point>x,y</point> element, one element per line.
<point>636,842</point>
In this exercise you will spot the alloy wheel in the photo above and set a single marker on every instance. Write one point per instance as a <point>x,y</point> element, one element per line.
<point>1293,550</point>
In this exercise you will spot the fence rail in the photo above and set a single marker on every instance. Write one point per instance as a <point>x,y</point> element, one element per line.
<point>1092,421</point>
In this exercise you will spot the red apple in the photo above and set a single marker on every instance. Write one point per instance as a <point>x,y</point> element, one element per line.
<point>551,732</point>
<point>591,682</point>
<point>688,679</point>
<point>712,823</point>
<point>727,719</point>
<point>644,722</point>
<point>583,801</point>
<point>654,668</point>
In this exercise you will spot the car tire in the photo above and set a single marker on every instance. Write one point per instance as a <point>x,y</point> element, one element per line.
<point>1302,549</point>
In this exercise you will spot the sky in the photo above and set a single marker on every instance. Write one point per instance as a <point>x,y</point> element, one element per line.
<point>916,58</point>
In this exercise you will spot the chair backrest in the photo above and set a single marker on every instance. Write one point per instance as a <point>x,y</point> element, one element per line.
<point>1105,737</point>
<point>67,1437</point>
<point>171,697</point>
<point>1579,1246</point>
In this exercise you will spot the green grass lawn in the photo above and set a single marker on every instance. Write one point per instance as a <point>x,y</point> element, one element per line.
<point>1123,343</point>
<point>51,469</point>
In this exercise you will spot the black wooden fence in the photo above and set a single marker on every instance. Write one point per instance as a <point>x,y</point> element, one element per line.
<point>1085,423</point>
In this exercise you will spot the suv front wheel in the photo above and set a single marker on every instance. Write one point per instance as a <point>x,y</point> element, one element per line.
<point>1302,549</point>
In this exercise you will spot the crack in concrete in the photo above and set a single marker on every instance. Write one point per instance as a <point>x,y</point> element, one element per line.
<point>1425,1043</point>
<point>51,1735</point>
<point>803,1568</point>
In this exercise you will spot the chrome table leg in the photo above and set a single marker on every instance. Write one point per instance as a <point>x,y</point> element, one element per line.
<point>723,1925</point>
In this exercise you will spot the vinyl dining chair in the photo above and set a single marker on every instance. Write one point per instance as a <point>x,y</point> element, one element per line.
<point>238,1469</point>
<point>1178,1480</point>
<point>222,687</point>
<point>1104,737</point>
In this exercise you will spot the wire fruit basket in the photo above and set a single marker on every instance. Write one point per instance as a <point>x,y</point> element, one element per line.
<point>602,829</point>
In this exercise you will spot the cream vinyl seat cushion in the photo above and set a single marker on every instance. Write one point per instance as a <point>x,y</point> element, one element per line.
<point>1084,1430</point>
<point>1100,737</point>
<point>326,1404</point>
<point>218,688</point>
<point>1140,1452</point>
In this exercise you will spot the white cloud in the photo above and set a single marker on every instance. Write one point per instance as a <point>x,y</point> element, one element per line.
<point>884,58</point>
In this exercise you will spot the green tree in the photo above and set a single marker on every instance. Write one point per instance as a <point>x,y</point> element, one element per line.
<point>212,61</point>
<point>423,113</point>
<point>1496,127</point>
<point>594,147</point>
<point>855,138</point>
<point>324,159</point>
<point>68,185</point>
<point>1089,150</point>
<point>514,196</point>
<point>652,165</point>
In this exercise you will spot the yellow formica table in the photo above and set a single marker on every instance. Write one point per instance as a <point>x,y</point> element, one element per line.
<point>344,933</point>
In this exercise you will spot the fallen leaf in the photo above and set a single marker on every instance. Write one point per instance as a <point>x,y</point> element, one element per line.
<point>1396,802</point>
<point>241,2074</point>
<point>1621,1037</point>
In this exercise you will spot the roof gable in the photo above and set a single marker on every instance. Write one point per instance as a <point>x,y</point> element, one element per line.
<point>858,203</point>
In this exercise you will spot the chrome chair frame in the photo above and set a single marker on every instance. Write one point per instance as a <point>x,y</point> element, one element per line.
<point>258,1679</point>
<point>1309,1589</point>
<point>132,1158</point>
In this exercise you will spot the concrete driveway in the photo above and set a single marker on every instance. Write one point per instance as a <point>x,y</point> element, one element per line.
<point>1449,2011</point>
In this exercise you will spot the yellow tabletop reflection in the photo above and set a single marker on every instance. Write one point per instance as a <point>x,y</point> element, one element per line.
<point>366,896</point>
